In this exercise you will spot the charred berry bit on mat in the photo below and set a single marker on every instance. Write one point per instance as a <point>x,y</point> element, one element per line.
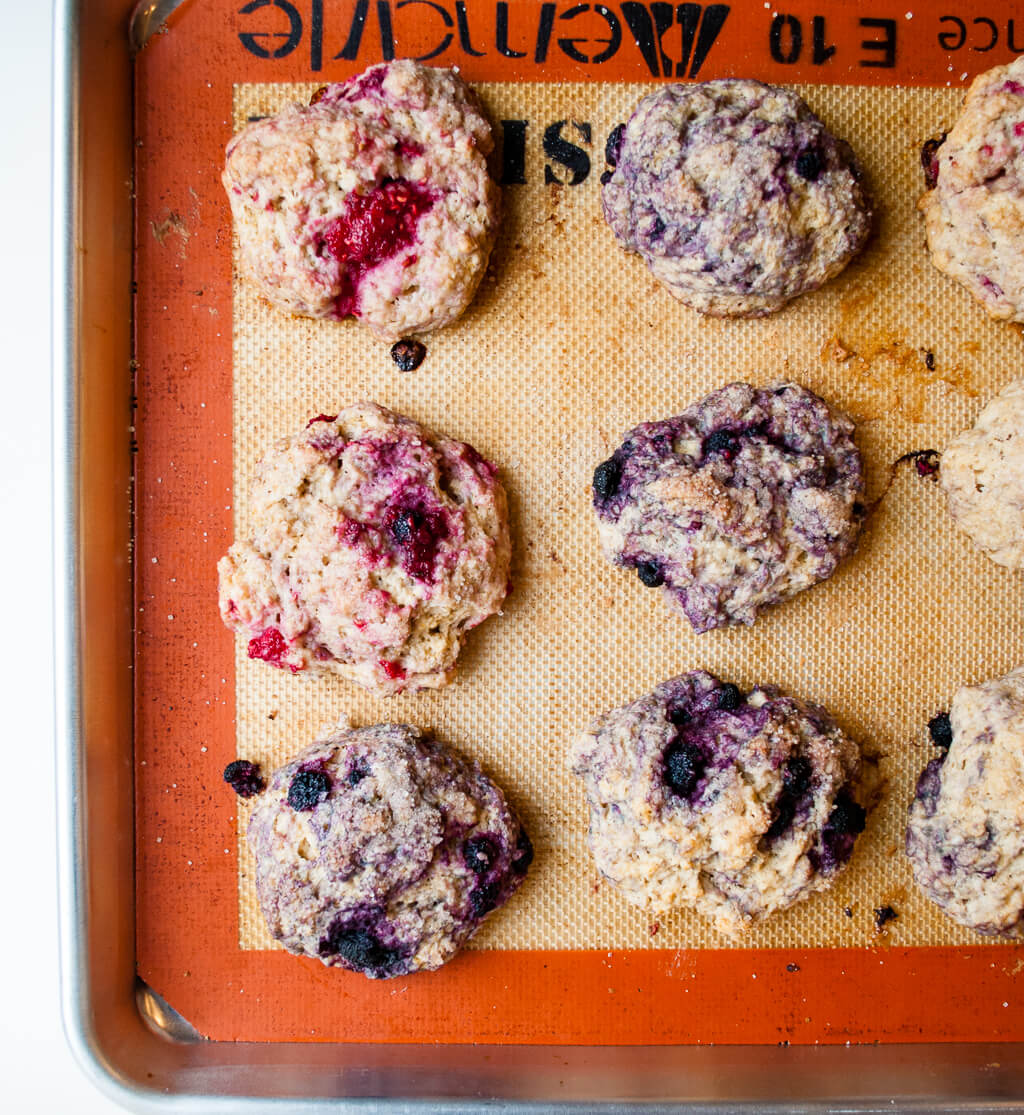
<point>613,145</point>
<point>729,697</point>
<point>929,360</point>
<point>653,928</point>
<point>809,165</point>
<point>308,789</point>
<point>523,855</point>
<point>930,160</point>
<point>684,765</point>
<point>318,95</point>
<point>606,478</point>
<point>883,915</point>
<point>941,730</point>
<point>408,354</point>
<point>792,967</point>
<point>270,646</point>
<point>650,573</point>
<point>484,898</point>
<point>244,778</point>
<point>927,464</point>
<point>848,910</point>
<point>480,853</point>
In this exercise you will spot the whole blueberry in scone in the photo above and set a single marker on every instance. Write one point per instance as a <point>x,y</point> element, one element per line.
<point>743,500</point>
<point>373,202</point>
<point>373,546</point>
<point>735,195</point>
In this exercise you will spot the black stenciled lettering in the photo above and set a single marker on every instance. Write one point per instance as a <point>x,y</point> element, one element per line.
<point>464,40</point>
<point>688,18</point>
<point>711,24</point>
<point>1009,39</point>
<point>513,152</point>
<point>544,27</point>
<point>292,37</point>
<point>648,24</point>
<point>569,46</point>
<point>573,158</point>
<point>316,36</point>
<point>820,52</point>
<point>350,51</point>
<point>387,34</point>
<point>994,38</point>
<point>790,26</point>
<point>446,19</point>
<point>614,40</point>
<point>886,45</point>
<point>501,33</point>
<point>952,40</point>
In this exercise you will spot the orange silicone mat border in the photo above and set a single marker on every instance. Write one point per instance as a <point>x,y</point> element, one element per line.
<point>187,909</point>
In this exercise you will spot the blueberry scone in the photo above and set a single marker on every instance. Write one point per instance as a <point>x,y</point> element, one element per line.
<point>374,546</point>
<point>974,210</point>
<point>380,851</point>
<point>982,474</point>
<point>735,195</point>
<point>744,499</point>
<point>734,804</point>
<point>373,202</point>
<point>965,837</point>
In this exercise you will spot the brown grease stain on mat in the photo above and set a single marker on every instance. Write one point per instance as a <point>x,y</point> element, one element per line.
<point>569,344</point>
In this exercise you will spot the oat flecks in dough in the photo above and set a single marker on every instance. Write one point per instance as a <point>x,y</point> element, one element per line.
<point>982,474</point>
<point>743,500</point>
<point>974,215</point>
<point>965,837</point>
<point>735,195</point>
<point>736,806</point>
<point>395,861</point>
<point>374,546</point>
<point>375,201</point>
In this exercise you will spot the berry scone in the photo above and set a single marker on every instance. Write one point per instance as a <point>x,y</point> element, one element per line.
<point>974,210</point>
<point>735,195</point>
<point>381,851</point>
<point>734,804</point>
<point>965,836</point>
<point>982,474</point>
<point>373,202</point>
<point>743,500</point>
<point>374,546</point>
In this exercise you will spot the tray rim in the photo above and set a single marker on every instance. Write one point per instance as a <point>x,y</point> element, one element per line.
<point>135,1052</point>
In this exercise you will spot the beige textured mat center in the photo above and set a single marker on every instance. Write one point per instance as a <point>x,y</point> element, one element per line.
<point>569,343</point>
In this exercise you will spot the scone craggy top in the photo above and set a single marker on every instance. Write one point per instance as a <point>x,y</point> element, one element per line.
<point>965,836</point>
<point>736,195</point>
<point>395,860</point>
<point>374,201</point>
<point>375,546</point>
<point>741,501</point>
<point>974,214</point>
<point>734,804</point>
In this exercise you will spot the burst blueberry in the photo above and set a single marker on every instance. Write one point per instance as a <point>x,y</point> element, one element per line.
<point>809,165</point>
<point>480,853</point>
<point>941,730</point>
<point>308,789</point>
<point>684,765</point>
<point>606,478</point>
<point>408,354</point>
<point>244,778</point>
<point>729,697</point>
<point>650,573</point>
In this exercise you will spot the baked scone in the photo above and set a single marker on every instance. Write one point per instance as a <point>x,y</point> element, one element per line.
<point>373,202</point>
<point>736,805</point>
<point>982,474</point>
<point>735,195</point>
<point>744,499</point>
<point>974,213</point>
<point>373,546</point>
<point>380,851</point>
<point>965,836</point>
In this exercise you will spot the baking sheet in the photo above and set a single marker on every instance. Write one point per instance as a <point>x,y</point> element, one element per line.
<point>569,344</point>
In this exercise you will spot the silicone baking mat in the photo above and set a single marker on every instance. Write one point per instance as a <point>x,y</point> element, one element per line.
<point>568,344</point>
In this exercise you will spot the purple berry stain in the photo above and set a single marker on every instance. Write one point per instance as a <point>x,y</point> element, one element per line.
<point>244,778</point>
<point>374,227</point>
<point>416,534</point>
<point>523,856</point>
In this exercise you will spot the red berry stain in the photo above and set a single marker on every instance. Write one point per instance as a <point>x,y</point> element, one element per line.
<point>416,534</point>
<point>394,670</point>
<point>349,531</point>
<point>373,228</point>
<point>321,418</point>
<point>271,647</point>
<point>1014,87</point>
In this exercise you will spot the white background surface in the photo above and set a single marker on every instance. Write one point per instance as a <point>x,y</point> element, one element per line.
<point>39,1073</point>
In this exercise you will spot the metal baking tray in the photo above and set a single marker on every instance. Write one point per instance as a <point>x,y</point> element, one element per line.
<point>132,1044</point>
